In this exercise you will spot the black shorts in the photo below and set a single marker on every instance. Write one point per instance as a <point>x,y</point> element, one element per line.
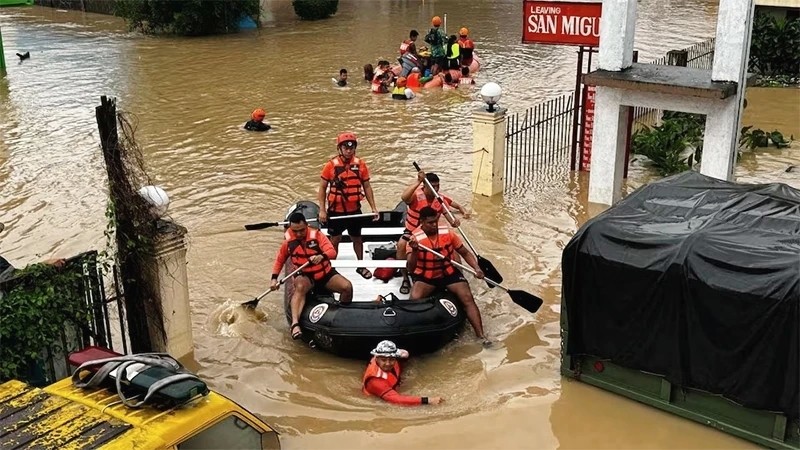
<point>442,283</point>
<point>318,286</point>
<point>353,226</point>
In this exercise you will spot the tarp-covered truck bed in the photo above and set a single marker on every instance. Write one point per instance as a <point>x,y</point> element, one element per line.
<point>695,280</point>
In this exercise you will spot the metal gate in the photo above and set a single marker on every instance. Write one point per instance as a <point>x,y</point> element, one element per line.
<point>105,324</point>
<point>540,136</point>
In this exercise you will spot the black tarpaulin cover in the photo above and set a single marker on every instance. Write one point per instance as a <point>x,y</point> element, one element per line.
<point>695,279</point>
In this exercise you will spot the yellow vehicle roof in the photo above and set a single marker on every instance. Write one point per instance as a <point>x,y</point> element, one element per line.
<point>65,417</point>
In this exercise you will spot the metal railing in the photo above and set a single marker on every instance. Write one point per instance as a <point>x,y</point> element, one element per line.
<point>540,136</point>
<point>89,294</point>
<point>698,56</point>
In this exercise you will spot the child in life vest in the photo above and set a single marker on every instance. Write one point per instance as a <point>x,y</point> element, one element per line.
<point>383,375</point>
<point>449,83</point>
<point>465,78</point>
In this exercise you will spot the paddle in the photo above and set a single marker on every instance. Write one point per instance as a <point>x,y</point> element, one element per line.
<point>486,266</point>
<point>262,225</point>
<point>254,302</point>
<point>524,299</point>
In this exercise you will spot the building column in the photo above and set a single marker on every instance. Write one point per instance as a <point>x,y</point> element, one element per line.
<point>731,55</point>
<point>489,151</point>
<point>608,146</point>
<point>721,141</point>
<point>617,29</point>
<point>168,267</point>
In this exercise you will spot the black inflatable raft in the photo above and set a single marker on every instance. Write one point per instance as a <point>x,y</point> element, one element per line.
<point>420,326</point>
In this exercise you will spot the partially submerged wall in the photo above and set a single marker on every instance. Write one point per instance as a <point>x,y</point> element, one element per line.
<point>93,6</point>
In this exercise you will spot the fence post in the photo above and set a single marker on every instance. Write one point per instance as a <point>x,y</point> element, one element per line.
<point>677,58</point>
<point>2,54</point>
<point>168,267</point>
<point>489,148</point>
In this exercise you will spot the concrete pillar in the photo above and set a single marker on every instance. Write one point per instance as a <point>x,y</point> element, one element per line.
<point>489,151</point>
<point>617,29</point>
<point>608,146</point>
<point>732,46</point>
<point>731,55</point>
<point>720,142</point>
<point>168,267</point>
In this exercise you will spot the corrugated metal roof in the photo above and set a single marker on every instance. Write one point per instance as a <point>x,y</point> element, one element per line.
<point>32,418</point>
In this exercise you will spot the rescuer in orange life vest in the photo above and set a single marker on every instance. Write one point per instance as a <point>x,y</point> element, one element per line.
<point>303,244</point>
<point>416,196</point>
<point>383,375</point>
<point>431,273</point>
<point>346,180</point>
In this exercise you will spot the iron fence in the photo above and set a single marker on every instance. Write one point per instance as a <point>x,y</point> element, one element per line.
<point>698,56</point>
<point>539,136</point>
<point>99,329</point>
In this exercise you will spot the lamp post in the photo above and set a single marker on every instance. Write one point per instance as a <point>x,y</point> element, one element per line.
<point>491,93</point>
<point>157,198</point>
<point>488,143</point>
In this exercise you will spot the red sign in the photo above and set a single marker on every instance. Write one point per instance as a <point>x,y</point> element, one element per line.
<point>564,23</point>
<point>588,127</point>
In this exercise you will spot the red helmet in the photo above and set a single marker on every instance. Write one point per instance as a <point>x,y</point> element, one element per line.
<point>385,273</point>
<point>345,137</point>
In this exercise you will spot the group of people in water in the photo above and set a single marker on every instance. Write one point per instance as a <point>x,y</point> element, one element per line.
<point>344,182</point>
<point>446,62</point>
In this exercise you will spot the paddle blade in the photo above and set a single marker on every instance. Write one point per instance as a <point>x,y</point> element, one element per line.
<point>526,300</point>
<point>260,226</point>
<point>252,303</point>
<point>489,271</point>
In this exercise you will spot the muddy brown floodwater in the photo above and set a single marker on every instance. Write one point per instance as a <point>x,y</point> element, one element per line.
<point>191,97</point>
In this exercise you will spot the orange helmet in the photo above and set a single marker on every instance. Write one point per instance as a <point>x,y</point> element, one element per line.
<point>436,21</point>
<point>401,82</point>
<point>463,31</point>
<point>346,137</point>
<point>258,114</point>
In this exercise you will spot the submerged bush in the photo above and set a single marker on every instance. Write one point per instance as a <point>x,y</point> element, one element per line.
<point>775,46</point>
<point>187,17</point>
<point>666,145</point>
<point>315,9</point>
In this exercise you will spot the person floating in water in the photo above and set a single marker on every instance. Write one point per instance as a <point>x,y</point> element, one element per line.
<point>342,81</point>
<point>383,375</point>
<point>256,122</point>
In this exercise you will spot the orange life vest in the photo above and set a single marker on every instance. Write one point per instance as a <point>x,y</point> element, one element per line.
<point>412,82</point>
<point>412,214</point>
<point>405,45</point>
<point>374,371</point>
<point>430,266</point>
<point>345,191</point>
<point>467,47</point>
<point>302,251</point>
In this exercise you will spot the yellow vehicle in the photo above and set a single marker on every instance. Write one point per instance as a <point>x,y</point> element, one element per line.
<point>65,416</point>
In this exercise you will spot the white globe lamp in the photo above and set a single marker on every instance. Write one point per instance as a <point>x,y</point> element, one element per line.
<point>158,199</point>
<point>491,93</point>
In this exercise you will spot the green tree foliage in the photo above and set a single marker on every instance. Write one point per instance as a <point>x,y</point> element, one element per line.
<point>187,17</point>
<point>41,302</point>
<point>775,46</point>
<point>315,9</point>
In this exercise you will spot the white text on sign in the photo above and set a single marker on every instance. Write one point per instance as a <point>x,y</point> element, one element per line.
<point>570,25</point>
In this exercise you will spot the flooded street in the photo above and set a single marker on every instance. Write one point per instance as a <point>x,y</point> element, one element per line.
<point>191,97</point>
